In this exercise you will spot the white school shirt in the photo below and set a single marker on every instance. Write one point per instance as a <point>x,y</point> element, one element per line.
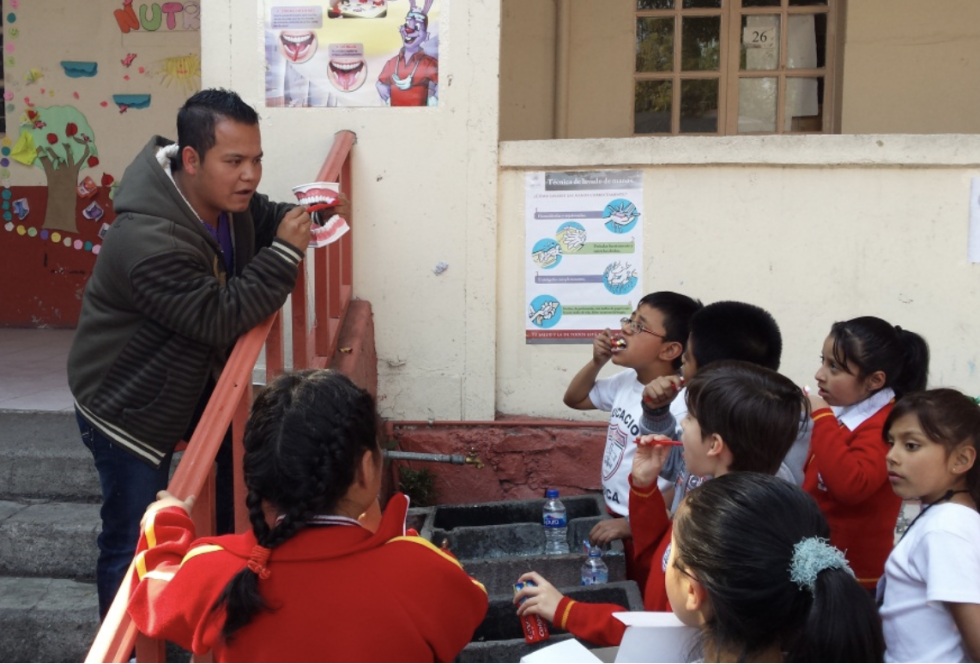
<point>621,396</point>
<point>937,561</point>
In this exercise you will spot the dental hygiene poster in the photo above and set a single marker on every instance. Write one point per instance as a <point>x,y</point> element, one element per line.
<point>584,253</point>
<point>352,53</point>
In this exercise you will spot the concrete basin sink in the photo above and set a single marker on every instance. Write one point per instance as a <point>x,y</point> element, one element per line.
<point>500,639</point>
<point>498,542</point>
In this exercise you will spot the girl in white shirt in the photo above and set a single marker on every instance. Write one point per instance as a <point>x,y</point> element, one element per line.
<point>930,594</point>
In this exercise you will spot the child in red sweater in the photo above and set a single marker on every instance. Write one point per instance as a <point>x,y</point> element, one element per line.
<point>314,583</point>
<point>866,364</point>
<point>741,417</point>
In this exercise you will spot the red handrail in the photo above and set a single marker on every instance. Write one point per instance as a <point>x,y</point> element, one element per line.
<point>229,404</point>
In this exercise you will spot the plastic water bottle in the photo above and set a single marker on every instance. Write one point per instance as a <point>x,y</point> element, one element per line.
<point>555,524</point>
<point>594,569</point>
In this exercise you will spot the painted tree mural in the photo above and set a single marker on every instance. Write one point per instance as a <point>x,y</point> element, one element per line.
<point>65,146</point>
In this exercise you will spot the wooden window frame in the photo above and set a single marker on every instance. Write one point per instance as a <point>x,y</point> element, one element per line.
<point>729,75</point>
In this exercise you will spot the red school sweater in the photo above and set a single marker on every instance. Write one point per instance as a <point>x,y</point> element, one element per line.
<point>848,477</point>
<point>335,593</point>
<point>652,529</point>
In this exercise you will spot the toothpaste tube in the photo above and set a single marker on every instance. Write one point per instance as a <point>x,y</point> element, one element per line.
<point>535,628</point>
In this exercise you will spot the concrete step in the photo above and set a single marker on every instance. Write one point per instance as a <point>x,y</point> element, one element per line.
<point>47,620</point>
<point>53,539</point>
<point>43,457</point>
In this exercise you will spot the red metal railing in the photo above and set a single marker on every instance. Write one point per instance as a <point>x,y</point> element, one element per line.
<point>313,346</point>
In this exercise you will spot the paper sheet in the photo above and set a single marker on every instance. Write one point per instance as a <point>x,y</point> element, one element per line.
<point>973,239</point>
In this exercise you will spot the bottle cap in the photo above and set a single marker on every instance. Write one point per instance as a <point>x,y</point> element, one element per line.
<point>551,493</point>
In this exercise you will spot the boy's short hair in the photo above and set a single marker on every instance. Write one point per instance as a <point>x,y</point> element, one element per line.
<point>755,410</point>
<point>735,331</point>
<point>677,312</point>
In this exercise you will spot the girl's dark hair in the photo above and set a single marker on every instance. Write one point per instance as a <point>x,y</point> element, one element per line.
<point>947,417</point>
<point>736,535</point>
<point>756,411</point>
<point>871,344</point>
<point>303,444</point>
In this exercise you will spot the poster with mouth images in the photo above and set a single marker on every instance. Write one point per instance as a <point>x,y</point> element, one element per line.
<point>583,253</point>
<point>352,53</point>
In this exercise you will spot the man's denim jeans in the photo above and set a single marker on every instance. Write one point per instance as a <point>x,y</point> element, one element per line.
<point>128,486</point>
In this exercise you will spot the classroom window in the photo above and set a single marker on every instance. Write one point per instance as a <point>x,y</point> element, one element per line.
<point>729,67</point>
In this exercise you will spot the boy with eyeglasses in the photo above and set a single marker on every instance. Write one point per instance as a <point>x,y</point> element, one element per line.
<point>648,345</point>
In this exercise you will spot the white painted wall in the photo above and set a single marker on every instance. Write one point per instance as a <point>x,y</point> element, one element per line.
<point>425,191</point>
<point>814,229</point>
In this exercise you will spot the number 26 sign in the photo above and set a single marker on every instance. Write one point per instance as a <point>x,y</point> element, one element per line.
<point>759,37</point>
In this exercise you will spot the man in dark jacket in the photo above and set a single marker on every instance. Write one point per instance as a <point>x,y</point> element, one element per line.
<point>194,259</point>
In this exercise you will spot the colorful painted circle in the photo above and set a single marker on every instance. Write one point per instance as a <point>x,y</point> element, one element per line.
<point>4,162</point>
<point>7,142</point>
<point>571,236</point>
<point>96,249</point>
<point>620,216</point>
<point>56,237</point>
<point>10,108</point>
<point>546,253</point>
<point>5,173</point>
<point>6,194</point>
<point>32,231</point>
<point>21,230</point>
<point>11,17</point>
<point>7,216</point>
<point>67,242</point>
<point>9,226</point>
<point>78,244</point>
<point>544,311</point>
<point>5,151</point>
<point>88,246</point>
<point>44,235</point>
<point>5,205</point>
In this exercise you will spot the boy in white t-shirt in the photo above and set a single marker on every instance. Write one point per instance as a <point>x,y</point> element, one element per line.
<point>649,345</point>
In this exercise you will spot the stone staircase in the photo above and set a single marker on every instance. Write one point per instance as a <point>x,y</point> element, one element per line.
<point>49,520</point>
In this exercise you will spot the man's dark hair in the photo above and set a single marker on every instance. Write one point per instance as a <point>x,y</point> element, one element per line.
<point>198,116</point>
<point>735,331</point>
<point>677,311</point>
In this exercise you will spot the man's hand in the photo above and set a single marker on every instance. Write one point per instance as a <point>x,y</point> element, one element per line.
<point>542,598</point>
<point>649,459</point>
<point>608,530</point>
<point>166,499</point>
<point>295,228</point>
<point>661,391</point>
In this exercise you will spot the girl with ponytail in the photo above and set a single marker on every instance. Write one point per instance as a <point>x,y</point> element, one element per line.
<point>751,566</point>
<point>315,579</point>
<point>865,365</point>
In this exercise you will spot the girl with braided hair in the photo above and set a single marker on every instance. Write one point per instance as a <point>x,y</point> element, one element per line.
<point>315,579</point>
<point>751,566</point>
